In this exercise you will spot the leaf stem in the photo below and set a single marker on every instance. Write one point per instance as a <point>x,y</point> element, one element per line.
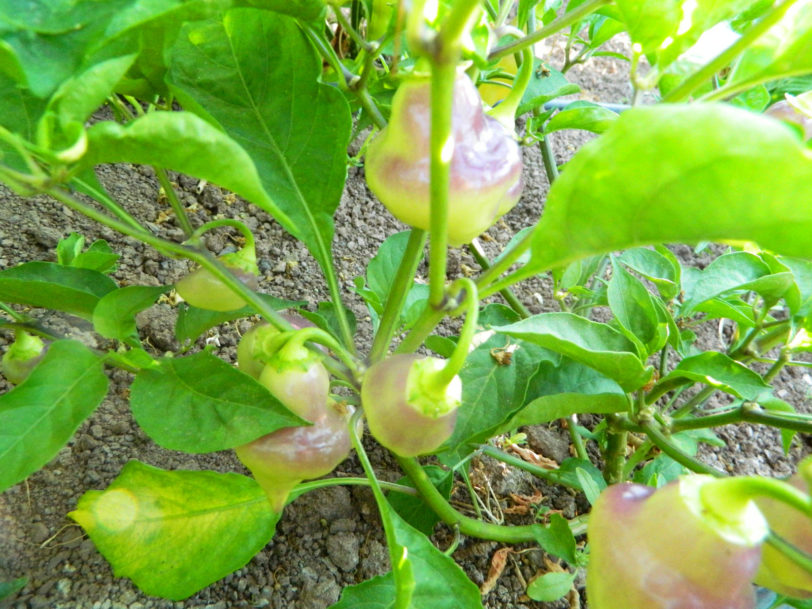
<point>661,441</point>
<point>475,249</point>
<point>468,526</point>
<point>174,202</point>
<point>706,72</point>
<point>748,412</point>
<point>398,292</point>
<point>566,20</point>
<point>457,359</point>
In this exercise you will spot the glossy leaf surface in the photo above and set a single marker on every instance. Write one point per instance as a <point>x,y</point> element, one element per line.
<point>200,404</point>
<point>713,173</point>
<point>40,415</point>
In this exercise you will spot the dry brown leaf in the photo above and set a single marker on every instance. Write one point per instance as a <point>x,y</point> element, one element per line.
<point>532,457</point>
<point>498,562</point>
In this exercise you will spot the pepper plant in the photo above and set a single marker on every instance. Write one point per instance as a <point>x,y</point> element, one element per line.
<point>262,98</point>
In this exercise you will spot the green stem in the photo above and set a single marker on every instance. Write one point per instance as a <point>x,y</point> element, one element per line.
<point>706,72</point>
<point>748,412</point>
<point>550,475</point>
<point>174,202</point>
<point>747,488</point>
<point>427,321</point>
<point>475,249</point>
<point>346,78</point>
<point>486,281</point>
<point>398,292</point>
<point>548,158</point>
<point>457,359</point>
<point>319,336</point>
<point>306,487</point>
<point>202,258</point>
<point>694,402</point>
<point>566,20</point>
<point>505,112</point>
<point>575,437</point>
<point>443,75</point>
<point>347,27</point>
<point>615,457</point>
<point>109,204</point>
<point>796,555</point>
<point>195,235</point>
<point>783,359</point>
<point>468,526</point>
<point>370,106</point>
<point>17,317</point>
<point>661,441</point>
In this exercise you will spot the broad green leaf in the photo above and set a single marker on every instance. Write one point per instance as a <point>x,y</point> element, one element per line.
<point>9,588</point>
<point>550,586</point>
<point>326,317</point>
<point>415,510</point>
<point>491,391</point>
<point>52,38</point>
<point>581,115</point>
<point>557,539</point>
<point>201,404</point>
<point>546,83</point>
<point>423,575</point>
<point>375,593</point>
<point>558,391</point>
<point>255,75</point>
<point>40,415</point>
<point>98,256</point>
<point>80,96</point>
<point>380,275</point>
<point>785,50</point>
<point>175,532</point>
<point>182,142</point>
<point>306,10</point>
<point>19,112</point>
<point>51,285</point>
<point>802,272</point>
<point>720,371</point>
<point>735,271</point>
<point>573,471</point>
<point>713,172</point>
<point>591,488</point>
<point>114,316</point>
<point>634,308</point>
<point>656,267</point>
<point>192,322</point>
<point>595,344</point>
<point>665,29</point>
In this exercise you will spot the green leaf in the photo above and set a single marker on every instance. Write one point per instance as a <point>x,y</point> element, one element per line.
<point>295,129</point>
<point>51,39</point>
<point>192,322</point>
<point>713,172</point>
<point>595,344</point>
<point>50,285</point>
<point>492,392</point>
<point>550,586</point>
<point>785,50</point>
<point>182,142</point>
<point>9,588</point>
<point>573,471</point>
<point>591,488</point>
<point>114,316</point>
<point>326,318</point>
<point>375,593</point>
<point>667,28</point>
<point>557,539</point>
<point>306,10</point>
<point>200,404</point>
<point>380,275</point>
<point>40,415</point>
<point>720,371</point>
<point>174,533</point>
<point>98,256</point>
<point>655,266</point>
<point>80,96</point>
<point>581,115</point>
<point>20,111</point>
<point>560,390</point>
<point>414,510</point>
<point>734,271</point>
<point>546,83</point>
<point>423,575</point>
<point>635,310</point>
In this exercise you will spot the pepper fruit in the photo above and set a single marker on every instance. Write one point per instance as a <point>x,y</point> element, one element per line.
<point>405,412</point>
<point>203,290</point>
<point>22,356</point>
<point>672,547</point>
<point>777,571</point>
<point>796,110</point>
<point>486,163</point>
<point>282,459</point>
